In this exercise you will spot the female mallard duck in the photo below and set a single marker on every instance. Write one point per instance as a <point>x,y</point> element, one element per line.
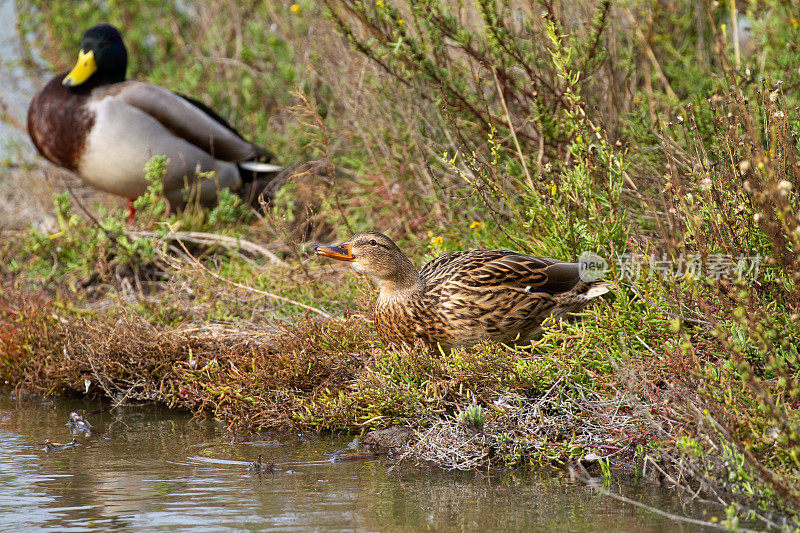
<point>463,297</point>
<point>95,123</point>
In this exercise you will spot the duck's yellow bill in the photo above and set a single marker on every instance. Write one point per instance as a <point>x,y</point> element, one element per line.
<point>84,68</point>
<point>342,252</point>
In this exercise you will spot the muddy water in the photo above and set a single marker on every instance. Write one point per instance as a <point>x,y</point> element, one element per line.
<point>147,468</point>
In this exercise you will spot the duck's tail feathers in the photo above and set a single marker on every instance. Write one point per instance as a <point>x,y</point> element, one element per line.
<point>258,178</point>
<point>258,167</point>
<point>598,289</point>
<point>584,292</point>
<point>258,172</point>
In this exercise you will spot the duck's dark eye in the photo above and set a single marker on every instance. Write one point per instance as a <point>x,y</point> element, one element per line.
<point>372,242</point>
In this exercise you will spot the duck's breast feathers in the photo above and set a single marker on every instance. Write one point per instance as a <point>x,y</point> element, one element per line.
<point>194,123</point>
<point>59,123</point>
<point>501,269</point>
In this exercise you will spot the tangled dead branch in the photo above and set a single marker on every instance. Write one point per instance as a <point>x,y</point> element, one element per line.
<point>519,428</point>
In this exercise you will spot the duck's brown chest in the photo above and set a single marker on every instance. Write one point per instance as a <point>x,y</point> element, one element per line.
<point>59,122</point>
<point>408,321</point>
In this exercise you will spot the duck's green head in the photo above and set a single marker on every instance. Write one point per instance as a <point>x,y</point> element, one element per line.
<point>102,58</point>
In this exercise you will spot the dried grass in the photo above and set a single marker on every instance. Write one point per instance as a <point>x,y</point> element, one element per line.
<point>519,428</point>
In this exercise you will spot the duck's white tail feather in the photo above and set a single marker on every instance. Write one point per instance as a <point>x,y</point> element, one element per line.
<point>598,290</point>
<point>255,166</point>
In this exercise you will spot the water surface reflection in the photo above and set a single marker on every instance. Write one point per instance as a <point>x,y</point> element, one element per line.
<point>148,468</point>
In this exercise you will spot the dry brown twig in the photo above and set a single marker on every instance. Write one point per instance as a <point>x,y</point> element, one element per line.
<point>650,54</point>
<point>528,179</point>
<point>525,426</point>
<point>197,237</point>
<point>205,269</point>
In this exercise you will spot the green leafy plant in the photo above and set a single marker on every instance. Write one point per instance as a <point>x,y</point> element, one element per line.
<point>472,417</point>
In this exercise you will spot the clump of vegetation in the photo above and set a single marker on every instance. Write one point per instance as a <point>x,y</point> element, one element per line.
<point>644,134</point>
<point>472,417</point>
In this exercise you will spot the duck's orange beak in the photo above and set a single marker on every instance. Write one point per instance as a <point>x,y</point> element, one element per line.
<point>342,252</point>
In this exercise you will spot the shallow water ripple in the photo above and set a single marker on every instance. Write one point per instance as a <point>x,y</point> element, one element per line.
<point>147,468</point>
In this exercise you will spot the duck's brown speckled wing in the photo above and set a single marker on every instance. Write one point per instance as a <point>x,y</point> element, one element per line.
<point>498,294</point>
<point>500,269</point>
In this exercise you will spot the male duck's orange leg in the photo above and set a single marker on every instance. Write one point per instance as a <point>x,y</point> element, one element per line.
<point>131,210</point>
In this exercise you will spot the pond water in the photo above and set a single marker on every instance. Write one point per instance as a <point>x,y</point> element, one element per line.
<point>149,468</point>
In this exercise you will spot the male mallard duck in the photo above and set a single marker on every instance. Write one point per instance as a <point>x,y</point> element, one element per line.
<point>463,297</point>
<point>95,123</point>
